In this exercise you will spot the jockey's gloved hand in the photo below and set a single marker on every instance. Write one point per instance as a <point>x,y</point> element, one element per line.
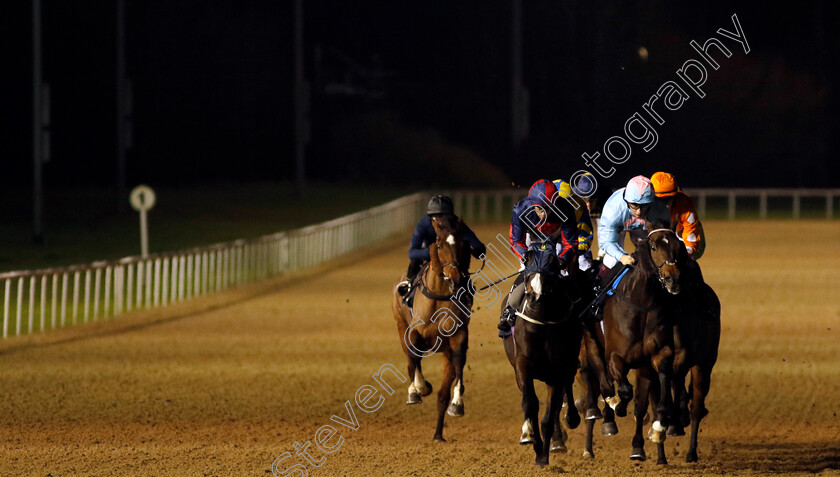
<point>627,260</point>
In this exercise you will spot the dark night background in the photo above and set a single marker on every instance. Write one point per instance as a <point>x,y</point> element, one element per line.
<point>397,85</point>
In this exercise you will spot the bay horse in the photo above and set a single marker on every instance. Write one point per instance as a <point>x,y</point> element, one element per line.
<point>593,380</point>
<point>639,334</point>
<point>544,346</point>
<point>696,340</point>
<point>438,322</point>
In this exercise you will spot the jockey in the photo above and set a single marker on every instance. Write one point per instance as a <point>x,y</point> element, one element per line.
<point>425,235</point>
<point>584,223</point>
<point>631,207</point>
<point>587,188</point>
<point>536,218</point>
<point>684,218</point>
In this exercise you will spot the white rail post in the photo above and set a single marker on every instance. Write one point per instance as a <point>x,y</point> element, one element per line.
<point>43,302</point>
<point>701,204</point>
<point>31,303</point>
<point>19,309</point>
<point>829,205</point>
<point>148,270</point>
<point>97,284</point>
<point>107,300</point>
<point>76,279</point>
<point>87,296</point>
<point>164,281</point>
<point>796,205</point>
<point>65,277</point>
<point>6,309</point>
<point>54,303</point>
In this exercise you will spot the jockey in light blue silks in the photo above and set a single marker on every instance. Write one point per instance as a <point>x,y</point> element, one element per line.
<point>631,207</point>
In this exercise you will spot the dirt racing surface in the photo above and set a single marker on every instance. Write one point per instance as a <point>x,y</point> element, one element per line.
<point>232,384</point>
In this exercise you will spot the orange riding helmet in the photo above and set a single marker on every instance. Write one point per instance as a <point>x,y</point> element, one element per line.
<point>664,184</point>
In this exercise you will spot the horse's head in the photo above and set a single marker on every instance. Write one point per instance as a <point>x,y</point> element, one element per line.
<point>665,252</point>
<point>447,250</point>
<point>542,269</point>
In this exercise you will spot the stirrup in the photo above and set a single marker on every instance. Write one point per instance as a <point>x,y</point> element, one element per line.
<point>403,288</point>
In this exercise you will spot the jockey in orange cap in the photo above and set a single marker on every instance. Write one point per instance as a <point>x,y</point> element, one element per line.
<point>684,218</point>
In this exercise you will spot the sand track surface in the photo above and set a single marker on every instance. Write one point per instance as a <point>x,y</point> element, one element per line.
<point>225,385</point>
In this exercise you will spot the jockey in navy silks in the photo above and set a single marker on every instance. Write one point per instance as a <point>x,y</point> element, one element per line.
<point>541,216</point>
<point>425,235</point>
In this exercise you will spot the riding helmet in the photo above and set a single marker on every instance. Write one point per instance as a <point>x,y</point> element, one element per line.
<point>639,191</point>
<point>440,204</point>
<point>664,184</point>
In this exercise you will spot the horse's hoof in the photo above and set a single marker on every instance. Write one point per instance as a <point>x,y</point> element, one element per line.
<point>588,454</point>
<point>675,430</point>
<point>621,409</point>
<point>638,454</point>
<point>572,420</point>
<point>525,440</point>
<point>609,429</point>
<point>662,461</point>
<point>428,389</point>
<point>613,401</point>
<point>439,439</point>
<point>691,456</point>
<point>558,447</point>
<point>593,414</point>
<point>455,410</point>
<point>414,398</point>
<point>542,461</point>
<point>579,403</point>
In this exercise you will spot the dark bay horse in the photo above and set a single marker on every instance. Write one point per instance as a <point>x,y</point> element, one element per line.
<point>544,346</point>
<point>639,333</point>
<point>593,379</point>
<point>438,322</point>
<point>696,340</point>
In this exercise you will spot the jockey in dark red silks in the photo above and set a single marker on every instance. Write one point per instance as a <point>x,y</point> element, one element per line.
<point>540,216</point>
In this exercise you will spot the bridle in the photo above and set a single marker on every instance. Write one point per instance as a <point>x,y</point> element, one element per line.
<point>666,262</point>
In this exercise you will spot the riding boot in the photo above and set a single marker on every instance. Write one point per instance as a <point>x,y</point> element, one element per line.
<point>404,287</point>
<point>508,318</point>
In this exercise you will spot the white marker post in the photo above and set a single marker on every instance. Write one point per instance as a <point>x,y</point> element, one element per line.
<point>142,199</point>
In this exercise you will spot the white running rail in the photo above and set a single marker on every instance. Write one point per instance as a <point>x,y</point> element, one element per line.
<point>39,300</point>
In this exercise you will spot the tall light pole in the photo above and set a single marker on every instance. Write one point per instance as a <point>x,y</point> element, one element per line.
<point>301,103</point>
<point>122,105</point>
<point>37,126</point>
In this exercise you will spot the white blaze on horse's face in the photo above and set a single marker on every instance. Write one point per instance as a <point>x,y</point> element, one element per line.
<point>536,285</point>
<point>450,240</point>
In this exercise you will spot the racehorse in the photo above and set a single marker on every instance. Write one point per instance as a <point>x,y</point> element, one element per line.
<point>639,333</point>
<point>544,345</point>
<point>593,380</point>
<point>696,340</point>
<point>438,321</point>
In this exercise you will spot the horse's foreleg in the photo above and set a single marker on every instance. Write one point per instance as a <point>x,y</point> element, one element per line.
<point>553,403</point>
<point>572,413</point>
<point>679,409</point>
<point>700,383</point>
<point>618,372</point>
<point>643,383</point>
<point>444,393</point>
<point>459,359</point>
<point>530,406</point>
<point>661,390</point>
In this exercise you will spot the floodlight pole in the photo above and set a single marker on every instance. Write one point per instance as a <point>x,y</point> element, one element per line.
<point>515,71</point>
<point>37,127</point>
<point>300,102</point>
<point>121,113</point>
